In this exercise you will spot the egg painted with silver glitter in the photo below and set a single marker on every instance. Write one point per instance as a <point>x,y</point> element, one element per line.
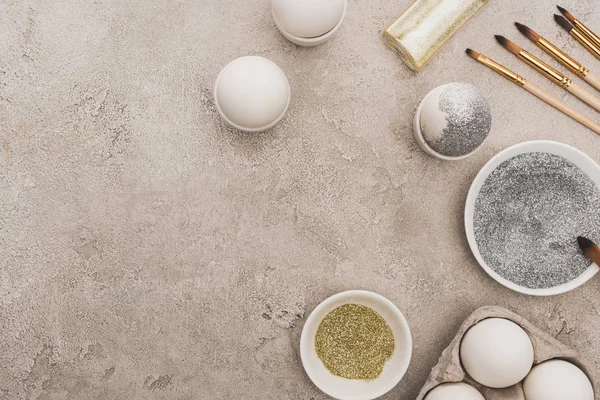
<point>453,121</point>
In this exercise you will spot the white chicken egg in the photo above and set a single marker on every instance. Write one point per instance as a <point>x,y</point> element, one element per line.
<point>557,380</point>
<point>454,391</point>
<point>308,18</point>
<point>496,353</point>
<point>252,93</point>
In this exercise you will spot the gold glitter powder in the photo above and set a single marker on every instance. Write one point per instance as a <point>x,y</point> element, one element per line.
<point>426,26</point>
<point>354,342</point>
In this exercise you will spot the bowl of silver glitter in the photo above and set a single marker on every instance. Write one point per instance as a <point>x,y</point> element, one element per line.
<point>453,121</point>
<point>524,212</point>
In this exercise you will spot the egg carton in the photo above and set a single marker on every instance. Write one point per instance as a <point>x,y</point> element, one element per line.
<point>449,368</point>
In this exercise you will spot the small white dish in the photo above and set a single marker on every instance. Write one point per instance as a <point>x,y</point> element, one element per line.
<point>347,389</point>
<point>311,41</point>
<point>575,156</point>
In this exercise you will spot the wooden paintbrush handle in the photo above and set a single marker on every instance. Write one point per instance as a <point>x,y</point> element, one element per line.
<point>593,80</point>
<point>561,106</point>
<point>584,95</point>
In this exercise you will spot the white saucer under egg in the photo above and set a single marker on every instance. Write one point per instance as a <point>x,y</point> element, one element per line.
<point>347,389</point>
<point>308,22</point>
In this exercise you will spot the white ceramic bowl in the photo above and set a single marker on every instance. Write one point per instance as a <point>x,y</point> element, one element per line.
<point>311,41</point>
<point>347,389</point>
<point>575,156</point>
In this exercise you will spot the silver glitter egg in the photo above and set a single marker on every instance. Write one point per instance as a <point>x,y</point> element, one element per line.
<point>453,121</point>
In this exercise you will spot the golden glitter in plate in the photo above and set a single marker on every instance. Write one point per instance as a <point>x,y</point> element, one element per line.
<point>354,342</point>
<point>426,26</point>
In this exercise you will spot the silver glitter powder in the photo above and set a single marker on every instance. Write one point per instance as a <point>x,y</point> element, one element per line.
<point>528,215</point>
<point>468,120</point>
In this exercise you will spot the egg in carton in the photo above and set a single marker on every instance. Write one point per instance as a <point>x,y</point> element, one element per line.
<point>450,369</point>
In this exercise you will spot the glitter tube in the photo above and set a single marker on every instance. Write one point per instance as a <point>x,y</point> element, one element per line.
<point>426,26</point>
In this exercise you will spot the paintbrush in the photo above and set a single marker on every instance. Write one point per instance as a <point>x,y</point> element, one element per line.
<point>550,72</point>
<point>590,249</point>
<point>536,91</point>
<point>580,26</point>
<point>577,34</point>
<point>562,57</point>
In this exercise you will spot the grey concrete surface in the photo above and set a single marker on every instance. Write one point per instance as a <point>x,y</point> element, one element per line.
<point>147,251</point>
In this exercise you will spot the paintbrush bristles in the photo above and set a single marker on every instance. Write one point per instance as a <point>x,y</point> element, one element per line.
<point>562,21</point>
<point>590,249</point>
<point>530,34</point>
<point>585,244</point>
<point>508,45</point>
<point>567,14</point>
<point>473,53</point>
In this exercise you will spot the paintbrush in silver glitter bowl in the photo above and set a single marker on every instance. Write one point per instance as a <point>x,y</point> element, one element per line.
<point>550,73</point>
<point>590,249</point>
<point>536,91</point>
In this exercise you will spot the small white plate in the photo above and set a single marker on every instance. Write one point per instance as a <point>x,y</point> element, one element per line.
<point>313,41</point>
<point>575,156</point>
<point>347,389</point>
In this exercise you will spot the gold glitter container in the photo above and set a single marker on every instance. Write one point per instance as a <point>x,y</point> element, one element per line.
<point>341,337</point>
<point>426,26</point>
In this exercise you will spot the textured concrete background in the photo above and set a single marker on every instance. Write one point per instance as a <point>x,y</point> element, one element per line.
<point>147,251</point>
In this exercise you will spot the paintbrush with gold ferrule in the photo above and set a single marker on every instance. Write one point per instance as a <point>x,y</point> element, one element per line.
<point>590,249</point>
<point>536,91</point>
<point>550,72</point>
<point>580,26</point>
<point>560,56</point>
<point>578,35</point>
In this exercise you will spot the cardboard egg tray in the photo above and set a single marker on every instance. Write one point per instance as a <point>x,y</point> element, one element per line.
<point>449,368</point>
